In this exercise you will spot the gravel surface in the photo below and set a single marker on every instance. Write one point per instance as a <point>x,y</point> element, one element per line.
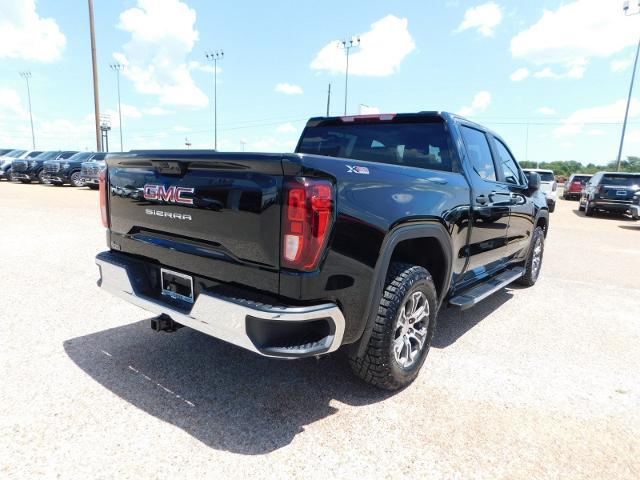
<point>532,383</point>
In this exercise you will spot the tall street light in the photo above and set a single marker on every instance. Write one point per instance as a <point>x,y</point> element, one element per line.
<point>214,57</point>
<point>27,76</point>
<point>117,67</point>
<point>94,63</point>
<point>625,8</point>
<point>347,45</point>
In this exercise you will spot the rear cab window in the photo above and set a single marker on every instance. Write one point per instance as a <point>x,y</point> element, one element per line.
<point>422,144</point>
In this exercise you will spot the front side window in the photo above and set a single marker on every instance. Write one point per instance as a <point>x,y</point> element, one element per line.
<point>508,165</point>
<point>479,153</point>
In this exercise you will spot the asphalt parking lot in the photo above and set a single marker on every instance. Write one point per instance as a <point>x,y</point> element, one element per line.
<point>533,383</point>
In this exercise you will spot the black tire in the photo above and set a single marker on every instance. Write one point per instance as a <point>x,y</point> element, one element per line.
<point>588,211</point>
<point>93,187</point>
<point>552,207</point>
<point>7,175</point>
<point>40,176</point>
<point>379,365</point>
<point>75,180</point>
<point>531,270</point>
<point>25,181</point>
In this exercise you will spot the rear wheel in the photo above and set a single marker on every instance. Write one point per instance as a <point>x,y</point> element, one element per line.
<point>7,175</point>
<point>41,176</point>
<point>93,187</point>
<point>588,211</point>
<point>25,181</point>
<point>534,259</point>
<point>552,207</point>
<point>403,329</point>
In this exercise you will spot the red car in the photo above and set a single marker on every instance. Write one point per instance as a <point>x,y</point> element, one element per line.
<point>573,187</point>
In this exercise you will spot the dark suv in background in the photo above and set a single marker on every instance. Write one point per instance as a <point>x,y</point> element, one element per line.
<point>90,171</point>
<point>610,192</point>
<point>27,171</point>
<point>59,171</point>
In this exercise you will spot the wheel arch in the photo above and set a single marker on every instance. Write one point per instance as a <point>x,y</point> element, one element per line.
<point>425,244</point>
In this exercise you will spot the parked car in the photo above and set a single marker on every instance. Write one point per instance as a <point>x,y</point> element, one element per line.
<point>356,239</point>
<point>573,187</point>
<point>609,192</point>
<point>27,171</point>
<point>58,172</point>
<point>8,157</point>
<point>90,170</point>
<point>548,185</point>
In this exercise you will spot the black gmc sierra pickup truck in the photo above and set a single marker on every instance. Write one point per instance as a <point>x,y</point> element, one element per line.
<point>357,239</point>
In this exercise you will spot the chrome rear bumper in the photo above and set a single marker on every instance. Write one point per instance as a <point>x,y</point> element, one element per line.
<point>280,332</point>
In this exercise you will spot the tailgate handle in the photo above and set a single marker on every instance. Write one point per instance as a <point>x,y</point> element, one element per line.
<point>168,168</point>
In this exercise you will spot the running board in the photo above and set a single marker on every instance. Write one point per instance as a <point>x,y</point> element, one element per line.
<point>475,294</point>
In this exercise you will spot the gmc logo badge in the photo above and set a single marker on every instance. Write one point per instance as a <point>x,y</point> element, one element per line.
<point>171,194</point>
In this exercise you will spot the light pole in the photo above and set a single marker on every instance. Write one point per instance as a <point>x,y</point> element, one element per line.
<point>94,63</point>
<point>117,67</point>
<point>27,76</point>
<point>214,57</point>
<point>347,45</point>
<point>625,8</point>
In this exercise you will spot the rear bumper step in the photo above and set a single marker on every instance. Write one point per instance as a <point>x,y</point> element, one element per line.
<point>478,293</point>
<point>271,331</point>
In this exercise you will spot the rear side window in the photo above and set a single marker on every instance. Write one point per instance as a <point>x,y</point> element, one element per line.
<point>508,164</point>
<point>621,180</point>
<point>581,178</point>
<point>479,153</point>
<point>423,145</point>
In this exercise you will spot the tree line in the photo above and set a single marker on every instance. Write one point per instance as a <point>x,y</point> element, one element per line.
<point>566,168</point>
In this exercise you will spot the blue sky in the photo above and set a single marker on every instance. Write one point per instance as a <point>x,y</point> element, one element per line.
<point>549,76</point>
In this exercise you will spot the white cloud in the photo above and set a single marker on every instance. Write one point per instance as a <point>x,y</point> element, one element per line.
<point>574,33</point>
<point>180,128</point>
<point>130,111</point>
<point>271,145</point>
<point>368,110</point>
<point>26,35</point>
<point>574,69</point>
<point>574,124</point>
<point>11,105</point>
<point>595,132</point>
<point>620,65</point>
<point>483,18</point>
<point>480,102</point>
<point>381,51</point>
<point>546,111</point>
<point>288,89</point>
<point>519,74</point>
<point>286,128</point>
<point>157,111</point>
<point>162,35</point>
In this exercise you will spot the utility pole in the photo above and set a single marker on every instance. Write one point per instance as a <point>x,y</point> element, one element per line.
<point>347,45</point>
<point>187,143</point>
<point>214,57</point>
<point>117,67</point>
<point>625,8</point>
<point>96,98</point>
<point>243,142</point>
<point>27,75</point>
<point>328,98</point>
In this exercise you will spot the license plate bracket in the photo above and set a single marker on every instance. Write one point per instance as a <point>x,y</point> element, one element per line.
<point>176,285</point>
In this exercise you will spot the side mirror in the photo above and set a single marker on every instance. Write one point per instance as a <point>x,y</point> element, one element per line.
<point>534,181</point>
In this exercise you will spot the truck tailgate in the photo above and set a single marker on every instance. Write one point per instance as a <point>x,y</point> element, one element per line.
<point>217,215</point>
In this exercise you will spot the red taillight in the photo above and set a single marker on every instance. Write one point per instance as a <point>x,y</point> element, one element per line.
<point>104,205</point>
<point>600,189</point>
<point>307,220</point>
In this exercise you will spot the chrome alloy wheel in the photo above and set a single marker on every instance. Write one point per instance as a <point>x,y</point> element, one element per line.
<point>536,261</point>
<point>411,329</point>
